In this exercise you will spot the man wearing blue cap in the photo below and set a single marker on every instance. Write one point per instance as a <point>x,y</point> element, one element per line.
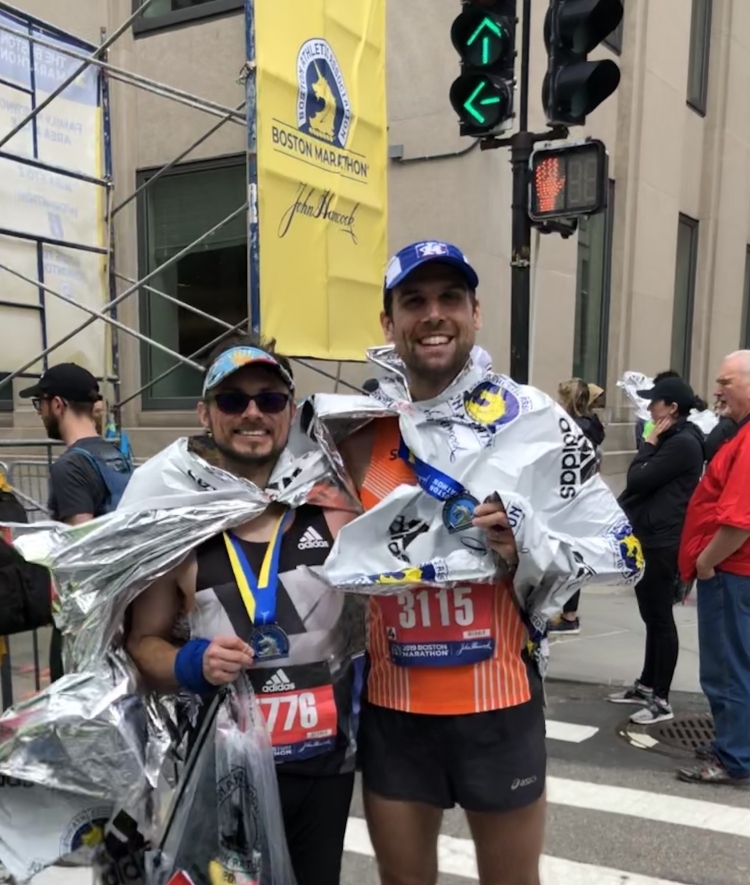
<point>433,736</point>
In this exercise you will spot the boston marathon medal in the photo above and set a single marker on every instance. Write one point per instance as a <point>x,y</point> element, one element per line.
<point>269,643</point>
<point>458,512</point>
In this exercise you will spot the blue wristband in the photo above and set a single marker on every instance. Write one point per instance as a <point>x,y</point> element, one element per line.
<point>188,667</point>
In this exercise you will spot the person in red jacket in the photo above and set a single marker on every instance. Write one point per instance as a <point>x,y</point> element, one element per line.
<point>715,548</point>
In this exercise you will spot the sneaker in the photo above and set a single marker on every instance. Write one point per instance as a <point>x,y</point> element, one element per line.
<point>636,694</point>
<point>711,771</point>
<point>566,626</point>
<point>657,711</point>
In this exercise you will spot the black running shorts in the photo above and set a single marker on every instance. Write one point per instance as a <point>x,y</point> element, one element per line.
<point>485,762</point>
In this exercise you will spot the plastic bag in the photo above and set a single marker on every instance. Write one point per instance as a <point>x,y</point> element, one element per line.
<point>226,826</point>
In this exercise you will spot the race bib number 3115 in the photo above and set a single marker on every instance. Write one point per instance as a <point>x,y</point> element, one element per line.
<point>446,627</point>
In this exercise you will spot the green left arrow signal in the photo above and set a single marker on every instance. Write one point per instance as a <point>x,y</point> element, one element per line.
<point>474,99</point>
<point>486,27</point>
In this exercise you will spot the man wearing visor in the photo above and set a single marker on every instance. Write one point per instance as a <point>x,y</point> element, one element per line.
<point>251,608</point>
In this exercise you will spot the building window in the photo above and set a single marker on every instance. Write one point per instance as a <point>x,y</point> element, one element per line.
<point>168,13</point>
<point>614,40</point>
<point>592,295</point>
<point>700,41</point>
<point>6,394</point>
<point>684,294</point>
<point>745,329</point>
<point>174,212</point>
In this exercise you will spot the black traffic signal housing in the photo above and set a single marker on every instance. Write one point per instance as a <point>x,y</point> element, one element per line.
<point>574,86</point>
<point>484,35</point>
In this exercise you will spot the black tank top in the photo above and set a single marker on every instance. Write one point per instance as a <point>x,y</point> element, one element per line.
<point>326,642</point>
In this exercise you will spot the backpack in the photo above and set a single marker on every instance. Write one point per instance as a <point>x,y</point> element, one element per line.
<point>115,474</point>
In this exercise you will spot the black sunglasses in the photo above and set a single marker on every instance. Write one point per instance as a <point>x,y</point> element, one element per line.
<point>235,402</point>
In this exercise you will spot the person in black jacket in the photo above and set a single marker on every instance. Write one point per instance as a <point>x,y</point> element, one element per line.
<point>661,480</point>
<point>723,432</point>
<point>575,397</point>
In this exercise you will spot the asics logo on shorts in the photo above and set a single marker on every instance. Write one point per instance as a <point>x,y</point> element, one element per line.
<point>278,682</point>
<point>311,539</point>
<point>520,782</point>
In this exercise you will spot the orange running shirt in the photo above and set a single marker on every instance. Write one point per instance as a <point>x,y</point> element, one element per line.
<point>496,683</point>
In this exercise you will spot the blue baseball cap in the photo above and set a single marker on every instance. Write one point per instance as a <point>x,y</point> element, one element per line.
<point>237,358</point>
<point>428,251</point>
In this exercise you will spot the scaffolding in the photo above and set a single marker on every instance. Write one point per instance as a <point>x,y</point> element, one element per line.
<point>41,36</point>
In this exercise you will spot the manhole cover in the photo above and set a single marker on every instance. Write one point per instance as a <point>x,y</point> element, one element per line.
<point>688,731</point>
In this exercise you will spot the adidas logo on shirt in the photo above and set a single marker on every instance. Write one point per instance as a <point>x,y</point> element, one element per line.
<point>311,539</point>
<point>278,682</point>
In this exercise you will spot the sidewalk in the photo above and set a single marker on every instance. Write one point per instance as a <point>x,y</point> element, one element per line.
<point>609,648</point>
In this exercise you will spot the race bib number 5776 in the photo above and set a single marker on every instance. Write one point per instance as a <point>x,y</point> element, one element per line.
<point>449,626</point>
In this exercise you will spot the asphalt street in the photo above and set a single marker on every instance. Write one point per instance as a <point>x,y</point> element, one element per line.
<point>617,814</point>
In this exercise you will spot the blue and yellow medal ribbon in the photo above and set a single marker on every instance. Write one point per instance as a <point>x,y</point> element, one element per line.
<point>431,480</point>
<point>258,594</point>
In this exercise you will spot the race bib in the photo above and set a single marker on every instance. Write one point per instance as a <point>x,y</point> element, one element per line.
<point>299,707</point>
<point>446,627</point>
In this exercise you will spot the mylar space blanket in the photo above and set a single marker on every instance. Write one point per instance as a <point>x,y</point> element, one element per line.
<point>90,745</point>
<point>484,436</point>
<point>632,382</point>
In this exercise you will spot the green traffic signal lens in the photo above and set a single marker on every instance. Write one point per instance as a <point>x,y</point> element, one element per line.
<point>481,38</point>
<point>481,102</point>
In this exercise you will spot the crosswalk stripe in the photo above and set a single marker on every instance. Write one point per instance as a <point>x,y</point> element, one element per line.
<point>568,731</point>
<point>658,807</point>
<point>456,857</point>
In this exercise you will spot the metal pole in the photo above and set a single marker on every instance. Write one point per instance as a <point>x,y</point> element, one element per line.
<point>197,353</point>
<point>76,74</point>
<point>164,169</point>
<point>521,146</point>
<point>190,101</point>
<point>126,294</point>
<point>164,89</point>
<point>253,242</point>
<point>181,304</point>
<point>99,315</point>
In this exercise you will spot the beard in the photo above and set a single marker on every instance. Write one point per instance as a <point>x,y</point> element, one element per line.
<point>52,426</point>
<point>435,375</point>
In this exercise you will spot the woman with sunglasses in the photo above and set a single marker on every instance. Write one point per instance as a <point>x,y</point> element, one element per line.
<point>251,607</point>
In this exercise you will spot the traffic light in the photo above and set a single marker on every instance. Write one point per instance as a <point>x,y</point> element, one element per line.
<point>484,35</point>
<point>568,180</point>
<point>574,86</point>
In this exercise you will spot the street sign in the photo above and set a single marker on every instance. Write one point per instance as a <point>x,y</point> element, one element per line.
<point>568,180</point>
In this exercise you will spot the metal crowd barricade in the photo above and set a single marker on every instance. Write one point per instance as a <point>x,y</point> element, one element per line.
<point>29,481</point>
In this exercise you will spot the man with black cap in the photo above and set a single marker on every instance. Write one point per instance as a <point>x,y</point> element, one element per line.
<point>88,479</point>
<point>661,479</point>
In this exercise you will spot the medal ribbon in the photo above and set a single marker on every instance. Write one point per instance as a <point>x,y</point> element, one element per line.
<point>258,594</point>
<point>431,480</point>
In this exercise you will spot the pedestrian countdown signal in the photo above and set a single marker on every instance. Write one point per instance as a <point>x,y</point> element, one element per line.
<point>568,181</point>
<point>484,37</point>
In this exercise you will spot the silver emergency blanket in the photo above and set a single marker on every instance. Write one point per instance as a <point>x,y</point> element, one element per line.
<point>484,436</point>
<point>632,382</point>
<point>89,738</point>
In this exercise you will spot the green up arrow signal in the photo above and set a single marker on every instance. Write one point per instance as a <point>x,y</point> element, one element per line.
<point>486,27</point>
<point>474,99</point>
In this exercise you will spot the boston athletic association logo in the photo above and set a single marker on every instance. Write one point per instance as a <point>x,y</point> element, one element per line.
<point>323,108</point>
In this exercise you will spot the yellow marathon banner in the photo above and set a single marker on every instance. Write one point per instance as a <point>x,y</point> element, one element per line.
<point>322,192</point>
